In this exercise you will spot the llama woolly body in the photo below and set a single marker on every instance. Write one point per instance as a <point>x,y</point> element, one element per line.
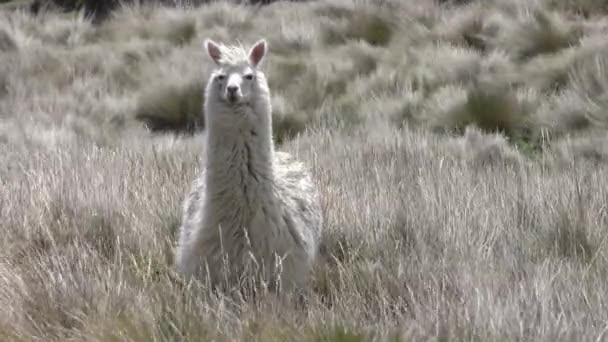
<point>251,211</point>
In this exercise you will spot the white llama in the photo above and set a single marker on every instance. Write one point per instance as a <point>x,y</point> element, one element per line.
<point>251,209</point>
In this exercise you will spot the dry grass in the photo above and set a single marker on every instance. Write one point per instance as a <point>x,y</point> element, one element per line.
<point>460,150</point>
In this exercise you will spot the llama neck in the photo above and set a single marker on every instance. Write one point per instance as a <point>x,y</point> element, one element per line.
<point>239,160</point>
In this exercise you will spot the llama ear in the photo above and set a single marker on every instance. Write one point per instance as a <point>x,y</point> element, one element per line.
<point>257,52</point>
<point>213,50</point>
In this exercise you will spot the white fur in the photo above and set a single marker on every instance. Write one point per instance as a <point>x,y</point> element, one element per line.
<point>252,211</point>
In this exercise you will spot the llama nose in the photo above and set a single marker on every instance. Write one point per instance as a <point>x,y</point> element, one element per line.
<point>232,89</point>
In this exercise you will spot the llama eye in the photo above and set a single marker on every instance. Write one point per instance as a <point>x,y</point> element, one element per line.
<point>220,77</point>
<point>249,77</point>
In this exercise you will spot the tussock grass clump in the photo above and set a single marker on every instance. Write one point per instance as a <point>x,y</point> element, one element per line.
<point>373,29</point>
<point>4,81</point>
<point>286,121</point>
<point>316,86</point>
<point>570,240</point>
<point>6,42</point>
<point>591,147</point>
<point>182,32</point>
<point>552,73</point>
<point>223,14</point>
<point>492,108</point>
<point>534,32</point>
<point>464,27</point>
<point>587,8</point>
<point>286,127</point>
<point>284,72</point>
<point>446,108</point>
<point>296,34</point>
<point>322,84</point>
<point>172,107</point>
<point>547,73</point>
<point>147,24</point>
<point>484,149</point>
<point>580,104</point>
<point>400,110</point>
<point>421,71</point>
<point>341,334</point>
<point>361,59</point>
<point>44,63</point>
<point>443,64</point>
<point>589,81</point>
<point>564,113</point>
<point>361,24</point>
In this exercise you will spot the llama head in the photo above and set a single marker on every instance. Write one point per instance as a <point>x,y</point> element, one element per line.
<point>236,79</point>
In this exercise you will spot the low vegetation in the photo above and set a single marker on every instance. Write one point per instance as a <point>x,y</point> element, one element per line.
<point>460,149</point>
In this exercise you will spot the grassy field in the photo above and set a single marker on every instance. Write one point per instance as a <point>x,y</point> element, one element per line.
<point>461,151</point>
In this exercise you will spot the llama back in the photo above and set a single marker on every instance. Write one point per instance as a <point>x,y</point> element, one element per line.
<point>299,199</point>
<point>192,216</point>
